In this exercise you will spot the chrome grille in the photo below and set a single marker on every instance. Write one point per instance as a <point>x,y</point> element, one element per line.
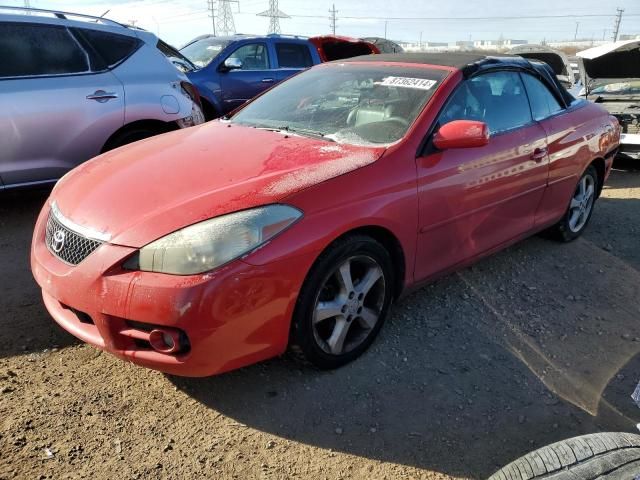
<point>67,245</point>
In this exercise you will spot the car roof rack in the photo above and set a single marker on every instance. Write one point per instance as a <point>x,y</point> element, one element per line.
<point>62,15</point>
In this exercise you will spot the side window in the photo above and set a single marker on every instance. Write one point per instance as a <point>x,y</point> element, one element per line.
<point>253,56</point>
<point>497,98</point>
<point>293,55</point>
<point>30,49</point>
<point>111,47</point>
<point>543,103</point>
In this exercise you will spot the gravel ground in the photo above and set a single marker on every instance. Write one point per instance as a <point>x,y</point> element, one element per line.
<point>533,345</point>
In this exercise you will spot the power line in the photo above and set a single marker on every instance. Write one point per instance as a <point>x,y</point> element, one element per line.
<point>274,14</point>
<point>529,17</point>
<point>333,19</point>
<point>616,25</point>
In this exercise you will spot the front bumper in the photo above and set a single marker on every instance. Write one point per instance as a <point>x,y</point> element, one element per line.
<point>196,118</point>
<point>234,316</point>
<point>630,146</point>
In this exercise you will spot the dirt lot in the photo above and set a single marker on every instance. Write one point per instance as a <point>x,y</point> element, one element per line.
<point>530,346</point>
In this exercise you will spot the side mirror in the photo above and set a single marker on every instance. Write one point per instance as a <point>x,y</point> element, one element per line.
<point>231,64</point>
<point>461,134</point>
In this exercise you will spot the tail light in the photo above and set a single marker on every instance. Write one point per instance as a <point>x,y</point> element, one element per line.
<point>191,92</point>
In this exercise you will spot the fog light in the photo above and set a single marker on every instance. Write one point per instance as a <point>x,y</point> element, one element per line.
<point>164,341</point>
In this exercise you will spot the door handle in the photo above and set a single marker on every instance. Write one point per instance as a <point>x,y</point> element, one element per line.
<point>539,154</point>
<point>267,80</point>
<point>102,96</point>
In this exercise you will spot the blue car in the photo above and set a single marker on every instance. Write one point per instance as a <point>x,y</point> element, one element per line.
<point>231,70</point>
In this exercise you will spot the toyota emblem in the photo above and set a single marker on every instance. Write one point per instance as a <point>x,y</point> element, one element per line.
<point>57,243</point>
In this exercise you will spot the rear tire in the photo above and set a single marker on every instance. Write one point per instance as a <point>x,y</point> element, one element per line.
<point>576,218</point>
<point>610,456</point>
<point>343,302</point>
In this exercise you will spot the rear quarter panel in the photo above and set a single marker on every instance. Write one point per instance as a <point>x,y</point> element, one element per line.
<point>147,77</point>
<point>575,139</point>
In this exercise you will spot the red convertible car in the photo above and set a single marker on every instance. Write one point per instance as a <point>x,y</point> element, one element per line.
<point>297,222</point>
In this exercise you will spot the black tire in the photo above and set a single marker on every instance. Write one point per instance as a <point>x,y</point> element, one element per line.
<point>129,136</point>
<point>610,456</point>
<point>562,230</point>
<point>304,342</point>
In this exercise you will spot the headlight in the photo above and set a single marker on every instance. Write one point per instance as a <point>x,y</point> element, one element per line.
<point>209,244</point>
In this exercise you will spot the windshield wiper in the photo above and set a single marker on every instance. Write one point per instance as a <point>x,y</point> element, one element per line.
<point>301,131</point>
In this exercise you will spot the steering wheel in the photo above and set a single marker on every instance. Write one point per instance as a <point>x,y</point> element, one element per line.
<point>404,123</point>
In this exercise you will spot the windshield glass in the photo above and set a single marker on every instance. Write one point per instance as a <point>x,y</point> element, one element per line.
<point>346,103</point>
<point>619,88</point>
<point>202,52</point>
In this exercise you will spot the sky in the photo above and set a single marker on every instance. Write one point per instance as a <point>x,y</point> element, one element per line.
<point>178,21</point>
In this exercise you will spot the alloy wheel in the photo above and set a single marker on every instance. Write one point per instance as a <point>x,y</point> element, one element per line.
<point>349,305</point>
<point>582,203</point>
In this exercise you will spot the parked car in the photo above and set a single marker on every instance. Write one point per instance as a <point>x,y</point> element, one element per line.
<point>557,60</point>
<point>297,223</point>
<point>232,70</point>
<point>74,86</point>
<point>385,45</point>
<point>611,77</point>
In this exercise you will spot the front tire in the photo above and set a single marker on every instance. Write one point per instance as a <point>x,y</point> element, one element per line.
<point>580,208</point>
<point>343,302</point>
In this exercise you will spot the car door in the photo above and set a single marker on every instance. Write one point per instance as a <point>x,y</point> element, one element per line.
<point>567,148</point>
<point>291,58</point>
<point>253,77</point>
<point>473,200</point>
<point>56,112</point>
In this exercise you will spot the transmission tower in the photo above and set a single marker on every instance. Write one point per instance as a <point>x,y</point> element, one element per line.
<point>274,15</point>
<point>333,18</point>
<point>616,25</point>
<point>224,22</point>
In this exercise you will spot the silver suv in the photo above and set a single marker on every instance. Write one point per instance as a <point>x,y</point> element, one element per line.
<point>74,86</point>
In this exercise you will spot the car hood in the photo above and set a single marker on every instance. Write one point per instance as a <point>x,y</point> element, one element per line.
<point>610,63</point>
<point>556,59</point>
<point>143,191</point>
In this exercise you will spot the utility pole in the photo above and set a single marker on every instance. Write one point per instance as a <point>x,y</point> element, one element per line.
<point>575,37</point>
<point>274,14</point>
<point>616,25</point>
<point>212,14</point>
<point>224,22</point>
<point>385,29</point>
<point>333,18</point>
<point>420,44</point>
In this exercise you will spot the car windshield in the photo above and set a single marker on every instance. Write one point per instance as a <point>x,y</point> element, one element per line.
<point>346,103</point>
<point>619,88</point>
<point>202,52</point>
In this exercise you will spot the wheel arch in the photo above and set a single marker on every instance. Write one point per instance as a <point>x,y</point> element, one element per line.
<point>391,243</point>
<point>157,125</point>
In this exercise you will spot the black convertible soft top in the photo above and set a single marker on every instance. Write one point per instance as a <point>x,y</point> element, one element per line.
<point>473,63</point>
